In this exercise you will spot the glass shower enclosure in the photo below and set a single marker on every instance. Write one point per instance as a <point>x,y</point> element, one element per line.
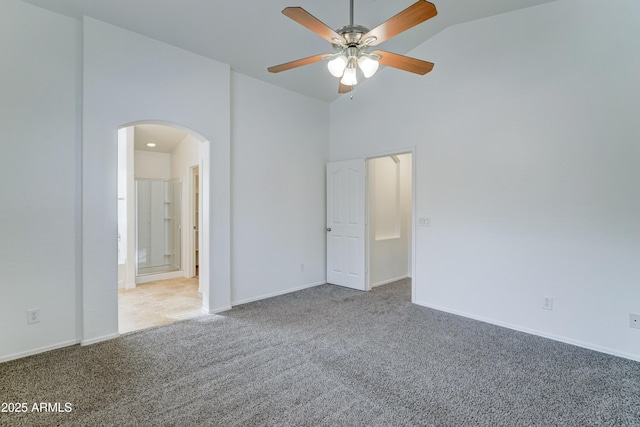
<point>158,222</point>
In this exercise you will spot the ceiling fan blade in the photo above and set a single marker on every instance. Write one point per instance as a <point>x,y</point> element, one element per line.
<point>402,62</point>
<point>415,14</point>
<point>299,63</point>
<point>344,88</point>
<point>309,21</point>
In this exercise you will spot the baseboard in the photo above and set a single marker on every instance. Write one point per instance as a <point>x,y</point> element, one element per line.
<point>217,310</point>
<point>99,339</point>
<point>38,350</point>
<point>386,282</point>
<point>159,276</point>
<point>275,294</point>
<point>577,343</point>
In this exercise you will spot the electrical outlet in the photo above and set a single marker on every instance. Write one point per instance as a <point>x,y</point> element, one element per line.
<point>548,303</point>
<point>33,316</point>
<point>634,320</point>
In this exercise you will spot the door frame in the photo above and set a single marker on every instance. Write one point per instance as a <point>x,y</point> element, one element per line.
<point>190,265</point>
<point>412,247</point>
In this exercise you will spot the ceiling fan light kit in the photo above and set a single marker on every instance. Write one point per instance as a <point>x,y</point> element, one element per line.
<point>337,65</point>
<point>369,64</point>
<point>351,44</point>
<point>349,77</point>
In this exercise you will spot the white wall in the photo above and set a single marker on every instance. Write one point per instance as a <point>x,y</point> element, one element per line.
<point>527,156</point>
<point>39,209</point>
<point>389,253</point>
<point>278,186</point>
<point>129,78</point>
<point>184,156</point>
<point>63,213</point>
<point>150,165</point>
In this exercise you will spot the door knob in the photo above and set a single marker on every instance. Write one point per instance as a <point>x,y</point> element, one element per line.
<point>328,228</point>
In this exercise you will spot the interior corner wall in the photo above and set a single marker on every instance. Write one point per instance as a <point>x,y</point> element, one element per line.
<point>129,78</point>
<point>38,170</point>
<point>185,156</point>
<point>280,150</point>
<point>526,136</point>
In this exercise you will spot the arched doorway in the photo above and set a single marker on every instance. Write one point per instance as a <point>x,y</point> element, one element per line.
<point>158,224</point>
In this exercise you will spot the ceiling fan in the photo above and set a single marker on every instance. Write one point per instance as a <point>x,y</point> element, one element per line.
<point>351,44</point>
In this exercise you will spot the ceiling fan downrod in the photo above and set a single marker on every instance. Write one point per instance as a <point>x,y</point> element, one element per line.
<point>351,13</point>
<point>352,33</point>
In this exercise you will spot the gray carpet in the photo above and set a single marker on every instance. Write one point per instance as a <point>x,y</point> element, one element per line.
<point>327,356</point>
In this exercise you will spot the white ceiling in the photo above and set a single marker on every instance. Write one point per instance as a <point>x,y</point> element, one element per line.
<point>253,35</point>
<point>166,138</point>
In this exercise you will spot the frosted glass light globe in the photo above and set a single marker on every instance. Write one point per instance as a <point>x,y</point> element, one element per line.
<point>337,65</point>
<point>349,78</point>
<point>367,65</point>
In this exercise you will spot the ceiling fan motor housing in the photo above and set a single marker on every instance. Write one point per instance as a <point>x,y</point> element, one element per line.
<point>353,36</point>
<point>352,33</point>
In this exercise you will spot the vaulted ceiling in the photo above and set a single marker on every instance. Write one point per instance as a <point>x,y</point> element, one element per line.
<point>252,35</point>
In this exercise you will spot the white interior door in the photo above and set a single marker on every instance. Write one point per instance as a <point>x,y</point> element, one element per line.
<point>346,224</point>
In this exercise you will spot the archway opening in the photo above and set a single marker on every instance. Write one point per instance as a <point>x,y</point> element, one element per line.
<point>161,169</point>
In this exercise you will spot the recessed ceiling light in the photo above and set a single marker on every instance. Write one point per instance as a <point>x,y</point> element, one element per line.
<point>151,144</point>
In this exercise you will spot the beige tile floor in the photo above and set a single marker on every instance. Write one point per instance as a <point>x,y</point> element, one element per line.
<point>158,303</point>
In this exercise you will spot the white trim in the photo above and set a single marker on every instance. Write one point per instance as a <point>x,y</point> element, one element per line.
<point>217,310</point>
<point>38,350</point>
<point>275,294</point>
<point>188,261</point>
<point>559,338</point>
<point>414,217</point>
<point>159,276</point>
<point>367,226</point>
<point>386,282</point>
<point>387,153</point>
<point>99,339</point>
